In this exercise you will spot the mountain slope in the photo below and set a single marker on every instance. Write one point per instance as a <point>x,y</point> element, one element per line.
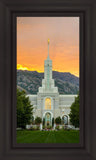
<point>31,80</point>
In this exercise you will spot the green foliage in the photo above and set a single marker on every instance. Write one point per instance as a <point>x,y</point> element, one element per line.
<point>58,120</point>
<point>37,128</point>
<point>34,128</point>
<point>31,129</point>
<point>43,121</point>
<point>74,113</point>
<point>24,109</point>
<point>44,127</point>
<point>52,122</point>
<point>49,127</point>
<point>57,127</point>
<point>38,120</point>
<point>32,120</point>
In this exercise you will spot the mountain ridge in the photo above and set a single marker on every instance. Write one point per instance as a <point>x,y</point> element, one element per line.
<point>30,81</point>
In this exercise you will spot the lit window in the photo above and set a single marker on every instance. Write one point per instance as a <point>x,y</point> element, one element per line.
<point>47,103</point>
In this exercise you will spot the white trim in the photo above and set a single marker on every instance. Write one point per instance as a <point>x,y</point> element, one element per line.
<point>48,112</point>
<point>64,115</point>
<point>68,95</point>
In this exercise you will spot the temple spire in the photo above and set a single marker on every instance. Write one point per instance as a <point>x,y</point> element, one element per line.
<point>48,49</point>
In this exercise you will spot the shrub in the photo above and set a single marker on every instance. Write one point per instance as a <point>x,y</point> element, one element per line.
<point>43,121</point>
<point>37,128</point>
<point>52,122</point>
<point>38,120</point>
<point>62,127</point>
<point>32,128</point>
<point>57,127</point>
<point>49,127</point>
<point>44,127</point>
<point>58,120</point>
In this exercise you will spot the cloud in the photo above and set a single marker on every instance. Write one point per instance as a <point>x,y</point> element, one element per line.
<point>32,47</point>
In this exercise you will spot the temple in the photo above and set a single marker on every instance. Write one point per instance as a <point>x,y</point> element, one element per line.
<point>48,103</point>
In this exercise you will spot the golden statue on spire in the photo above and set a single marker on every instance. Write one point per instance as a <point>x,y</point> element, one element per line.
<point>48,40</point>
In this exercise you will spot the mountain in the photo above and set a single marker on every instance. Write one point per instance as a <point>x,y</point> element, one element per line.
<point>30,81</point>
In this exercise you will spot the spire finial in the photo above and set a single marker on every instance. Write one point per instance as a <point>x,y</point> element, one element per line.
<point>48,49</point>
<point>48,40</point>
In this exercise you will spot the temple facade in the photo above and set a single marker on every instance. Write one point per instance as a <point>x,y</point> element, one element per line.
<point>48,103</point>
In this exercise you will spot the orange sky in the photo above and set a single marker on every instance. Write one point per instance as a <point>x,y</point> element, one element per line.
<point>32,46</point>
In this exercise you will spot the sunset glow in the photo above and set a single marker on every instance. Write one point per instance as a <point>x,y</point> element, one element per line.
<point>33,35</point>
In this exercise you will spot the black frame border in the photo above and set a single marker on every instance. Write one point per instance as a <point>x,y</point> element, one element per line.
<point>87,12</point>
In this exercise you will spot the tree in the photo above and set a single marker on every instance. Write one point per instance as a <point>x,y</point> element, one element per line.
<point>58,120</point>
<point>38,120</point>
<point>74,113</point>
<point>24,109</point>
<point>32,120</point>
<point>43,121</point>
<point>52,122</point>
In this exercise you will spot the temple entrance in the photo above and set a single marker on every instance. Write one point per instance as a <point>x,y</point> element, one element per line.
<point>47,119</point>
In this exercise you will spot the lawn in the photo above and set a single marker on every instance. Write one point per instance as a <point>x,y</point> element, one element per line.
<point>62,136</point>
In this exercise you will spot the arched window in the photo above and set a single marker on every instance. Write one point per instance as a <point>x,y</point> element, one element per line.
<point>48,103</point>
<point>65,119</point>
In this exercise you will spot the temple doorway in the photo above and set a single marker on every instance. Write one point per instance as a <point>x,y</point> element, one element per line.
<point>47,119</point>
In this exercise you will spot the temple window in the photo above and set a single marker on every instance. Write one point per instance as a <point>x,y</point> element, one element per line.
<point>48,103</point>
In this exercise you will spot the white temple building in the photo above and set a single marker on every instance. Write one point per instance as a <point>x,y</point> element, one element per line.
<point>48,103</point>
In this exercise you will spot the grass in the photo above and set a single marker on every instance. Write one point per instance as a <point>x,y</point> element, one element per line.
<point>61,136</point>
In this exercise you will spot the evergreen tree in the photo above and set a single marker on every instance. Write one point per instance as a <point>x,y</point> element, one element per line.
<point>32,120</point>
<point>74,113</point>
<point>24,109</point>
<point>43,121</point>
<point>52,122</point>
